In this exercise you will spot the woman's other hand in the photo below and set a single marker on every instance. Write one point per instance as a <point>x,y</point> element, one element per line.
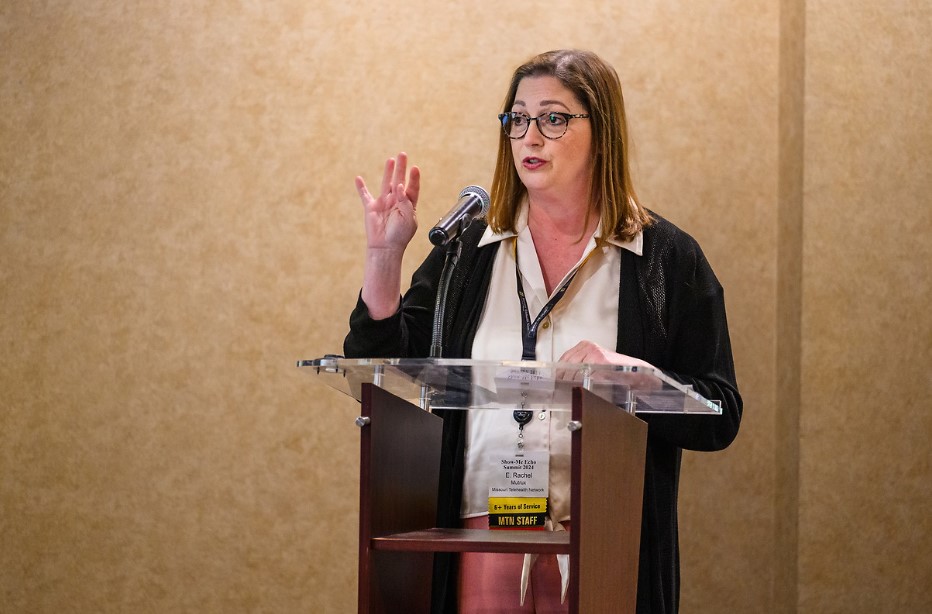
<point>593,353</point>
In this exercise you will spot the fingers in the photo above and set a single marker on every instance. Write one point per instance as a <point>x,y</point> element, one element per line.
<point>414,186</point>
<point>394,176</point>
<point>394,182</point>
<point>401,168</point>
<point>364,194</point>
<point>387,180</point>
<point>583,351</point>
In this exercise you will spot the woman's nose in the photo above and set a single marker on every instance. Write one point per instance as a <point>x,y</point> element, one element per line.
<point>533,135</point>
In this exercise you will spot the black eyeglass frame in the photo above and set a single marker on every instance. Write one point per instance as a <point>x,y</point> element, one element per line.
<point>566,116</point>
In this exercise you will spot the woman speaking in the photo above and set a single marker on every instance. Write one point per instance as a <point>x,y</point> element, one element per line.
<point>568,267</point>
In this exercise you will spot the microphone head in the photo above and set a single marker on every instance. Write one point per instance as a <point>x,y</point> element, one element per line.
<point>450,226</point>
<point>479,193</point>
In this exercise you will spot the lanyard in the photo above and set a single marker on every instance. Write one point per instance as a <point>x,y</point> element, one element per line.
<point>529,329</point>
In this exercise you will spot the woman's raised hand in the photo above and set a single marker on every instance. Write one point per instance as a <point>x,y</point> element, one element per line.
<point>391,216</point>
<point>391,222</point>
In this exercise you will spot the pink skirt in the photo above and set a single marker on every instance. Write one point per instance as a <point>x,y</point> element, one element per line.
<point>491,582</point>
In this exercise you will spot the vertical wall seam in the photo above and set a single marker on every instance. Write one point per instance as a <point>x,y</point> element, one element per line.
<point>791,133</point>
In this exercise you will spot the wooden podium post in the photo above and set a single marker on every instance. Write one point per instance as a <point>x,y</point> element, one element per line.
<point>605,509</point>
<point>399,476</point>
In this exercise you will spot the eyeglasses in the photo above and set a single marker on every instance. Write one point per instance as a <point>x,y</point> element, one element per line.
<point>552,125</point>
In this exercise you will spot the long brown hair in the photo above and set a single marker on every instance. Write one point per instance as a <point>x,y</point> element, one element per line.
<point>596,85</point>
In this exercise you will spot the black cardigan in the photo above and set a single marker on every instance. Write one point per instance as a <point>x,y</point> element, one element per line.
<point>671,313</point>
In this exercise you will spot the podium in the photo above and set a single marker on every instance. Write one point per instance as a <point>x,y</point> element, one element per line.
<point>400,446</point>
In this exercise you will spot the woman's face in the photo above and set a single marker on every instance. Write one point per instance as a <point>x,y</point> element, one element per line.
<point>552,168</point>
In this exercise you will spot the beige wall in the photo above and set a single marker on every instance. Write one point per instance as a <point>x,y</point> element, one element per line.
<point>178,225</point>
<point>865,489</point>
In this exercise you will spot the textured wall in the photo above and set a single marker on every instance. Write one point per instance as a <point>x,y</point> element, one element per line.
<point>178,225</point>
<point>865,534</point>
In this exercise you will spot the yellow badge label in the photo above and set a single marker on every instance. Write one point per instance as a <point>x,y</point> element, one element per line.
<point>517,505</point>
<point>517,513</point>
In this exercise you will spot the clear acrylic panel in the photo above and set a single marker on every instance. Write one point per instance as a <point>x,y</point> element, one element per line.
<point>446,383</point>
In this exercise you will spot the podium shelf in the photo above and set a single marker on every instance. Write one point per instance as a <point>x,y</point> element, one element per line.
<point>476,540</point>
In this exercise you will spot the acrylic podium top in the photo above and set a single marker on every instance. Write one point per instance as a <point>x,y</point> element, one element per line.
<point>447,383</point>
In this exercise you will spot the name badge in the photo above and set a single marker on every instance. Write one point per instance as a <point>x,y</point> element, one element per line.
<point>533,378</point>
<point>518,490</point>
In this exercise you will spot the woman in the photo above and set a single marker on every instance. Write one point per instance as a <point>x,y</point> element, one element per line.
<point>570,253</point>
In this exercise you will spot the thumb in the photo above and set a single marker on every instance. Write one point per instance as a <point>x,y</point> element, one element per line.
<point>363,191</point>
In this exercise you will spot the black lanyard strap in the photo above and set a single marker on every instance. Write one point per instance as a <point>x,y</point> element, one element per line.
<point>530,329</point>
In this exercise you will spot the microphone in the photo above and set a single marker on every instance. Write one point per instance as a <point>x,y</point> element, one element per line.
<point>473,203</point>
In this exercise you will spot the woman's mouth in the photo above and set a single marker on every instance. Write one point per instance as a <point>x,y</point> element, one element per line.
<point>531,163</point>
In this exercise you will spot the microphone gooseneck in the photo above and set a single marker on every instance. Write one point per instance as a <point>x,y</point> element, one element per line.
<point>473,203</point>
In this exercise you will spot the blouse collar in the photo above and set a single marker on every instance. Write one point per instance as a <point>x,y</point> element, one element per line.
<point>635,245</point>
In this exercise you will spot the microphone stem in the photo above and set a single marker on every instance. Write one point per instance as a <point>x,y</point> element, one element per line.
<point>454,248</point>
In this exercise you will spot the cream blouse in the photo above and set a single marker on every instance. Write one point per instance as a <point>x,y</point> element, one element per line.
<point>588,311</point>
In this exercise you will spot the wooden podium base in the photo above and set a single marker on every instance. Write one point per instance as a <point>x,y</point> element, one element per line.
<point>399,477</point>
